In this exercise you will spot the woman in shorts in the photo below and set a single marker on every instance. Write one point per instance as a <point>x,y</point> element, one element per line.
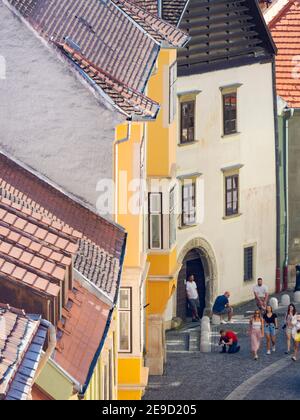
<point>271,326</point>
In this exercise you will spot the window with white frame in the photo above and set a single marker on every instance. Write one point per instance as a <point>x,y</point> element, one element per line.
<point>173,92</point>
<point>172,217</point>
<point>125,320</point>
<point>155,221</point>
<point>189,203</point>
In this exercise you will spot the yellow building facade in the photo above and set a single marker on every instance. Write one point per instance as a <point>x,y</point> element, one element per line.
<point>146,152</point>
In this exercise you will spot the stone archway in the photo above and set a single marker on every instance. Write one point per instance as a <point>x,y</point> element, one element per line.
<point>209,263</point>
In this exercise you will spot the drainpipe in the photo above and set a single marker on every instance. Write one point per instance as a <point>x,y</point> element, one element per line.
<point>50,349</point>
<point>160,7</point>
<point>288,114</point>
<point>117,143</point>
<point>277,157</point>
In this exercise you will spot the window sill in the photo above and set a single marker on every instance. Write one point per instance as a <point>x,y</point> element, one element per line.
<point>187,226</point>
<point>234,216</point>
<point>230,136</point>
<point>188,143</point>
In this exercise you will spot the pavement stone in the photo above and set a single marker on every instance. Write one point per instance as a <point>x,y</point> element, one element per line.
<point>198,376</point>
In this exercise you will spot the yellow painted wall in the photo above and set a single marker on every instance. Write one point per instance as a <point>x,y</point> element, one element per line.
<point>162,135</point>
<point>158,295</point>
<point>130,395</point>
<point>163,264</point>
<point>130,371</point>
<point>128,156</point>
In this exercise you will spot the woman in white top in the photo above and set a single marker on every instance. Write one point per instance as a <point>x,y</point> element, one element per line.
<point>289,319</point>
<point>296,335</point>
<point>257,333</point>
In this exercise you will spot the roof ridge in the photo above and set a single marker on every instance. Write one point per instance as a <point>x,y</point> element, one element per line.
<point>280,13</point>
<point>161,30</point>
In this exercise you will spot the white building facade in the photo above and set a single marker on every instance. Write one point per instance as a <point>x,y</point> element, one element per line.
<point>226,164</point>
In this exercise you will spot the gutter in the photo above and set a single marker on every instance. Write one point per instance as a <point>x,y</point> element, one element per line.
<point>277,160</point>
<point>51,347</point>
<point>116,146</point>
<point>287,115</point>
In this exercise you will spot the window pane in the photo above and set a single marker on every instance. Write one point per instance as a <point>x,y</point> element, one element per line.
<point>189,204</point>
<point>125,299</point>
<point>230,113</point>
<point>172,220</point>
<point>248,264</point>
<point>124,318</point>
<point>187,121</point>
<point>155,231</point>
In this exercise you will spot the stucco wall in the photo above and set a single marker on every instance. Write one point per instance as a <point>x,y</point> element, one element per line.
<point>254,148</point>
<point>48,118</point>
<point>294,190</point>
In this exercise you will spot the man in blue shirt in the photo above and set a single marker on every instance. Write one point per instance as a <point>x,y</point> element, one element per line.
<point>222,307</point>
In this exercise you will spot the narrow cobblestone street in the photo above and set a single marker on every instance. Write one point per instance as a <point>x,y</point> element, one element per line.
<point>197,376</point>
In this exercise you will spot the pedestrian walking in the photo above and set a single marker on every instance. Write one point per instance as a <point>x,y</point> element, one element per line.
<point>256,333</point>
<point>296,336</point>
<point>289,325</point>
<point>271,327</point>
<point>193,297</point>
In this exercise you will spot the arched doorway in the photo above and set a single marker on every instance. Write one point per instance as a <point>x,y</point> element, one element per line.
<point>197,258</point>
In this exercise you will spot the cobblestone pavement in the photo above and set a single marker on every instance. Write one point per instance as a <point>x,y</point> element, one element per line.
<point>213,376</point>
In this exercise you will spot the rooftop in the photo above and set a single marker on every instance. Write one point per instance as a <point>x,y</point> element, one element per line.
<point>21,343</point>
<point>33,211</point>
<point>285,29</point>
<point>119,40</point>
<point>42,231</point>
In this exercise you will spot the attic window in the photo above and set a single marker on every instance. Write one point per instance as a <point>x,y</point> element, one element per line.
<point>69,305</point>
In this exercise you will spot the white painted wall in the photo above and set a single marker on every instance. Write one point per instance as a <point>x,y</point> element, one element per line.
<point>49,119</point>
<point>254,148</point>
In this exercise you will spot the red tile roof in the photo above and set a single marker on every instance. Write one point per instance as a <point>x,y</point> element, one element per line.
<point>21,343</point>
<point>81,330</point>
<point>46,216</point>
<point>40,231</point>
<point>285,29</point>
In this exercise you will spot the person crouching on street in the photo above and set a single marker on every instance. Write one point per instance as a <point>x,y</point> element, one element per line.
<point>229,339</point>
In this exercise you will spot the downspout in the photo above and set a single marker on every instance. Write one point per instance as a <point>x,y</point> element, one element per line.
<point>116,146</point>
<point>160,8</point>
<point>51,347</point>
<point>277,160</point>
<point>288,114</point>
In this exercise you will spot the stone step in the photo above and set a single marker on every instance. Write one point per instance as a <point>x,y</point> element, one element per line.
<point>194,341</point>
<point>177,342</point>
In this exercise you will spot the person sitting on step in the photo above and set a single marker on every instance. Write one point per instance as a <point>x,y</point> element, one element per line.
<point>222,307</point>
